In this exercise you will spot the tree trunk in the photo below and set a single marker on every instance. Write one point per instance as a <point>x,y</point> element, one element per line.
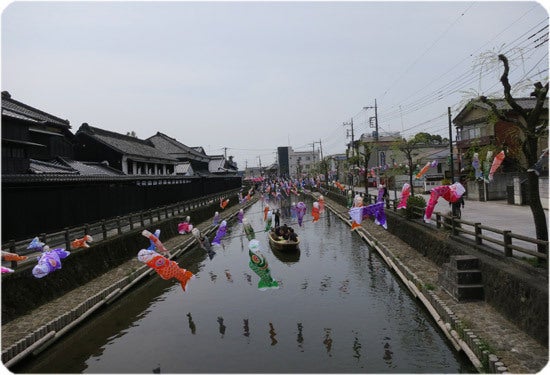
<point>538,212</point>
<point>411,177</point>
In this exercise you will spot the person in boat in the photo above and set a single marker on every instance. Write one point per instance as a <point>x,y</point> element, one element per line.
<point>292,236</point>
<point>277,215</point>
<point>285,231</point>
<point>277,231</point>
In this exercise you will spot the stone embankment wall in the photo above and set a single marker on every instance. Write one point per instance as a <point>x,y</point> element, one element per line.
<point>515,289</point>
<point>22,292</point>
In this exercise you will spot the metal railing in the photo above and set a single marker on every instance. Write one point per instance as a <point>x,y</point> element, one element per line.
<point>502,240</point>
<point>114,226</point>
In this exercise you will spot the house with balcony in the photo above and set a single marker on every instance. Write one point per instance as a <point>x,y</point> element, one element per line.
<point>477,127</point>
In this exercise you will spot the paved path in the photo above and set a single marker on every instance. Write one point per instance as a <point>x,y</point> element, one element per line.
<point>496,214</point>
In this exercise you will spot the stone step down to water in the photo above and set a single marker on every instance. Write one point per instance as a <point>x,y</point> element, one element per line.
<point>462,278</point>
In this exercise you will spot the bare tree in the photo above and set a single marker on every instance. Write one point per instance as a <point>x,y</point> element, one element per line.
<point>407,148</point>
<point>531,126</point>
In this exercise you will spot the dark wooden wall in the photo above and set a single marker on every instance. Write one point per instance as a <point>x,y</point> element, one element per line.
<point>30,208</point>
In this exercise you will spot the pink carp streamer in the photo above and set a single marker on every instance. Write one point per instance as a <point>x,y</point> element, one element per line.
<point>450,193</point>
<point>405,193</point>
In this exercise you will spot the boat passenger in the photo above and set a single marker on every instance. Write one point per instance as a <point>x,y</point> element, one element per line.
<point>277,217</point>
<point>292,236</point>
<point>285,231</point>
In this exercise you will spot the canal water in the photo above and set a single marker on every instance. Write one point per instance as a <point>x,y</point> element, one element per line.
<point>338,309</point>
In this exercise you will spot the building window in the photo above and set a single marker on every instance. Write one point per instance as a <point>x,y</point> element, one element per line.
<point>130,166</point>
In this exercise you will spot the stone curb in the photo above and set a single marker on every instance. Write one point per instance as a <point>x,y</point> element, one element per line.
<point>46,335</point>
<point>453,328</point>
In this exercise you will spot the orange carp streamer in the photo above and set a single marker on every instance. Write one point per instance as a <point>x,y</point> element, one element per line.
<point>82,242</point>
<point>315,212</point>
<point>166,268</point>
<point>12,257</point>
<point>223,203</point>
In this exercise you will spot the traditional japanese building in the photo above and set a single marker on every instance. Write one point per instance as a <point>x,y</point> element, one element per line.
<point>189,159</point>
<point>31,134</point>
<point>125,153</point>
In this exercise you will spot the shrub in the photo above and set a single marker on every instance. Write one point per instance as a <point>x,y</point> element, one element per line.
<point>446,181</point>
<point>414,206</point>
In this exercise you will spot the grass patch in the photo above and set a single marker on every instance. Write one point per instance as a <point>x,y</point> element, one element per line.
<point>429,286</point>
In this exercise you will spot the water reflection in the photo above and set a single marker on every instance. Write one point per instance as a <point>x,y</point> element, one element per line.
<point>272,334</point>
<point>192,325</point>
<point>387,353</point>
<point>356,347</point>
<point>300,337</point>
<point>328,341</point>
<point>246,329</point>
<point>221,326</point>
<point>287,257</point>
<point>354,307</point>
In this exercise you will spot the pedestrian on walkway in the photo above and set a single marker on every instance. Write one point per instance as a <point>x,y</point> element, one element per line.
<point>456,207</point>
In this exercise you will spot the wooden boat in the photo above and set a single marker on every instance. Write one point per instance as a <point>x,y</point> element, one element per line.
<point>282,244</point>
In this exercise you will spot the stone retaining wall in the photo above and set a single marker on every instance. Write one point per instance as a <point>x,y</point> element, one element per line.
<point>22,292</point>
<point>515,289</point>
<point>519,295</point>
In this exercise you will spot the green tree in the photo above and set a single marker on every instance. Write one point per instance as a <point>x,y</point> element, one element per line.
<point>408,147</point>
<point>368,149</point>
<point>531,126</point>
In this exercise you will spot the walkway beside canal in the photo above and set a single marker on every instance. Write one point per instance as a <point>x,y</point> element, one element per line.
<point>515,349</point>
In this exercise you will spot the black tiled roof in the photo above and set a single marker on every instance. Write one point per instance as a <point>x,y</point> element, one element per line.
<point>125,144</point>
<point>175,148</point>
<point>16,109</point>
<point>44,167</point>
<point>86,168</point>
<point>67,177</point>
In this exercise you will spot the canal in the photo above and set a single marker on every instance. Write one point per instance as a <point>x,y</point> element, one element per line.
<point>338,309</point>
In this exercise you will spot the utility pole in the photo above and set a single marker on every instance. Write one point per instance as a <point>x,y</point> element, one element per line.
<point>376,137</point>
<point>350,176</point>
<point>451,145</point>
<point>352,135</point>
<point>322,161</point>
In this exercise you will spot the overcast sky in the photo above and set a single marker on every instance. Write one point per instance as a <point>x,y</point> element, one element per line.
<point>252,76</point>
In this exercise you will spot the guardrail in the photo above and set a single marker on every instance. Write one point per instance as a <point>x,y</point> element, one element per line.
<point>502,240</point>
<point>114,226</point>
